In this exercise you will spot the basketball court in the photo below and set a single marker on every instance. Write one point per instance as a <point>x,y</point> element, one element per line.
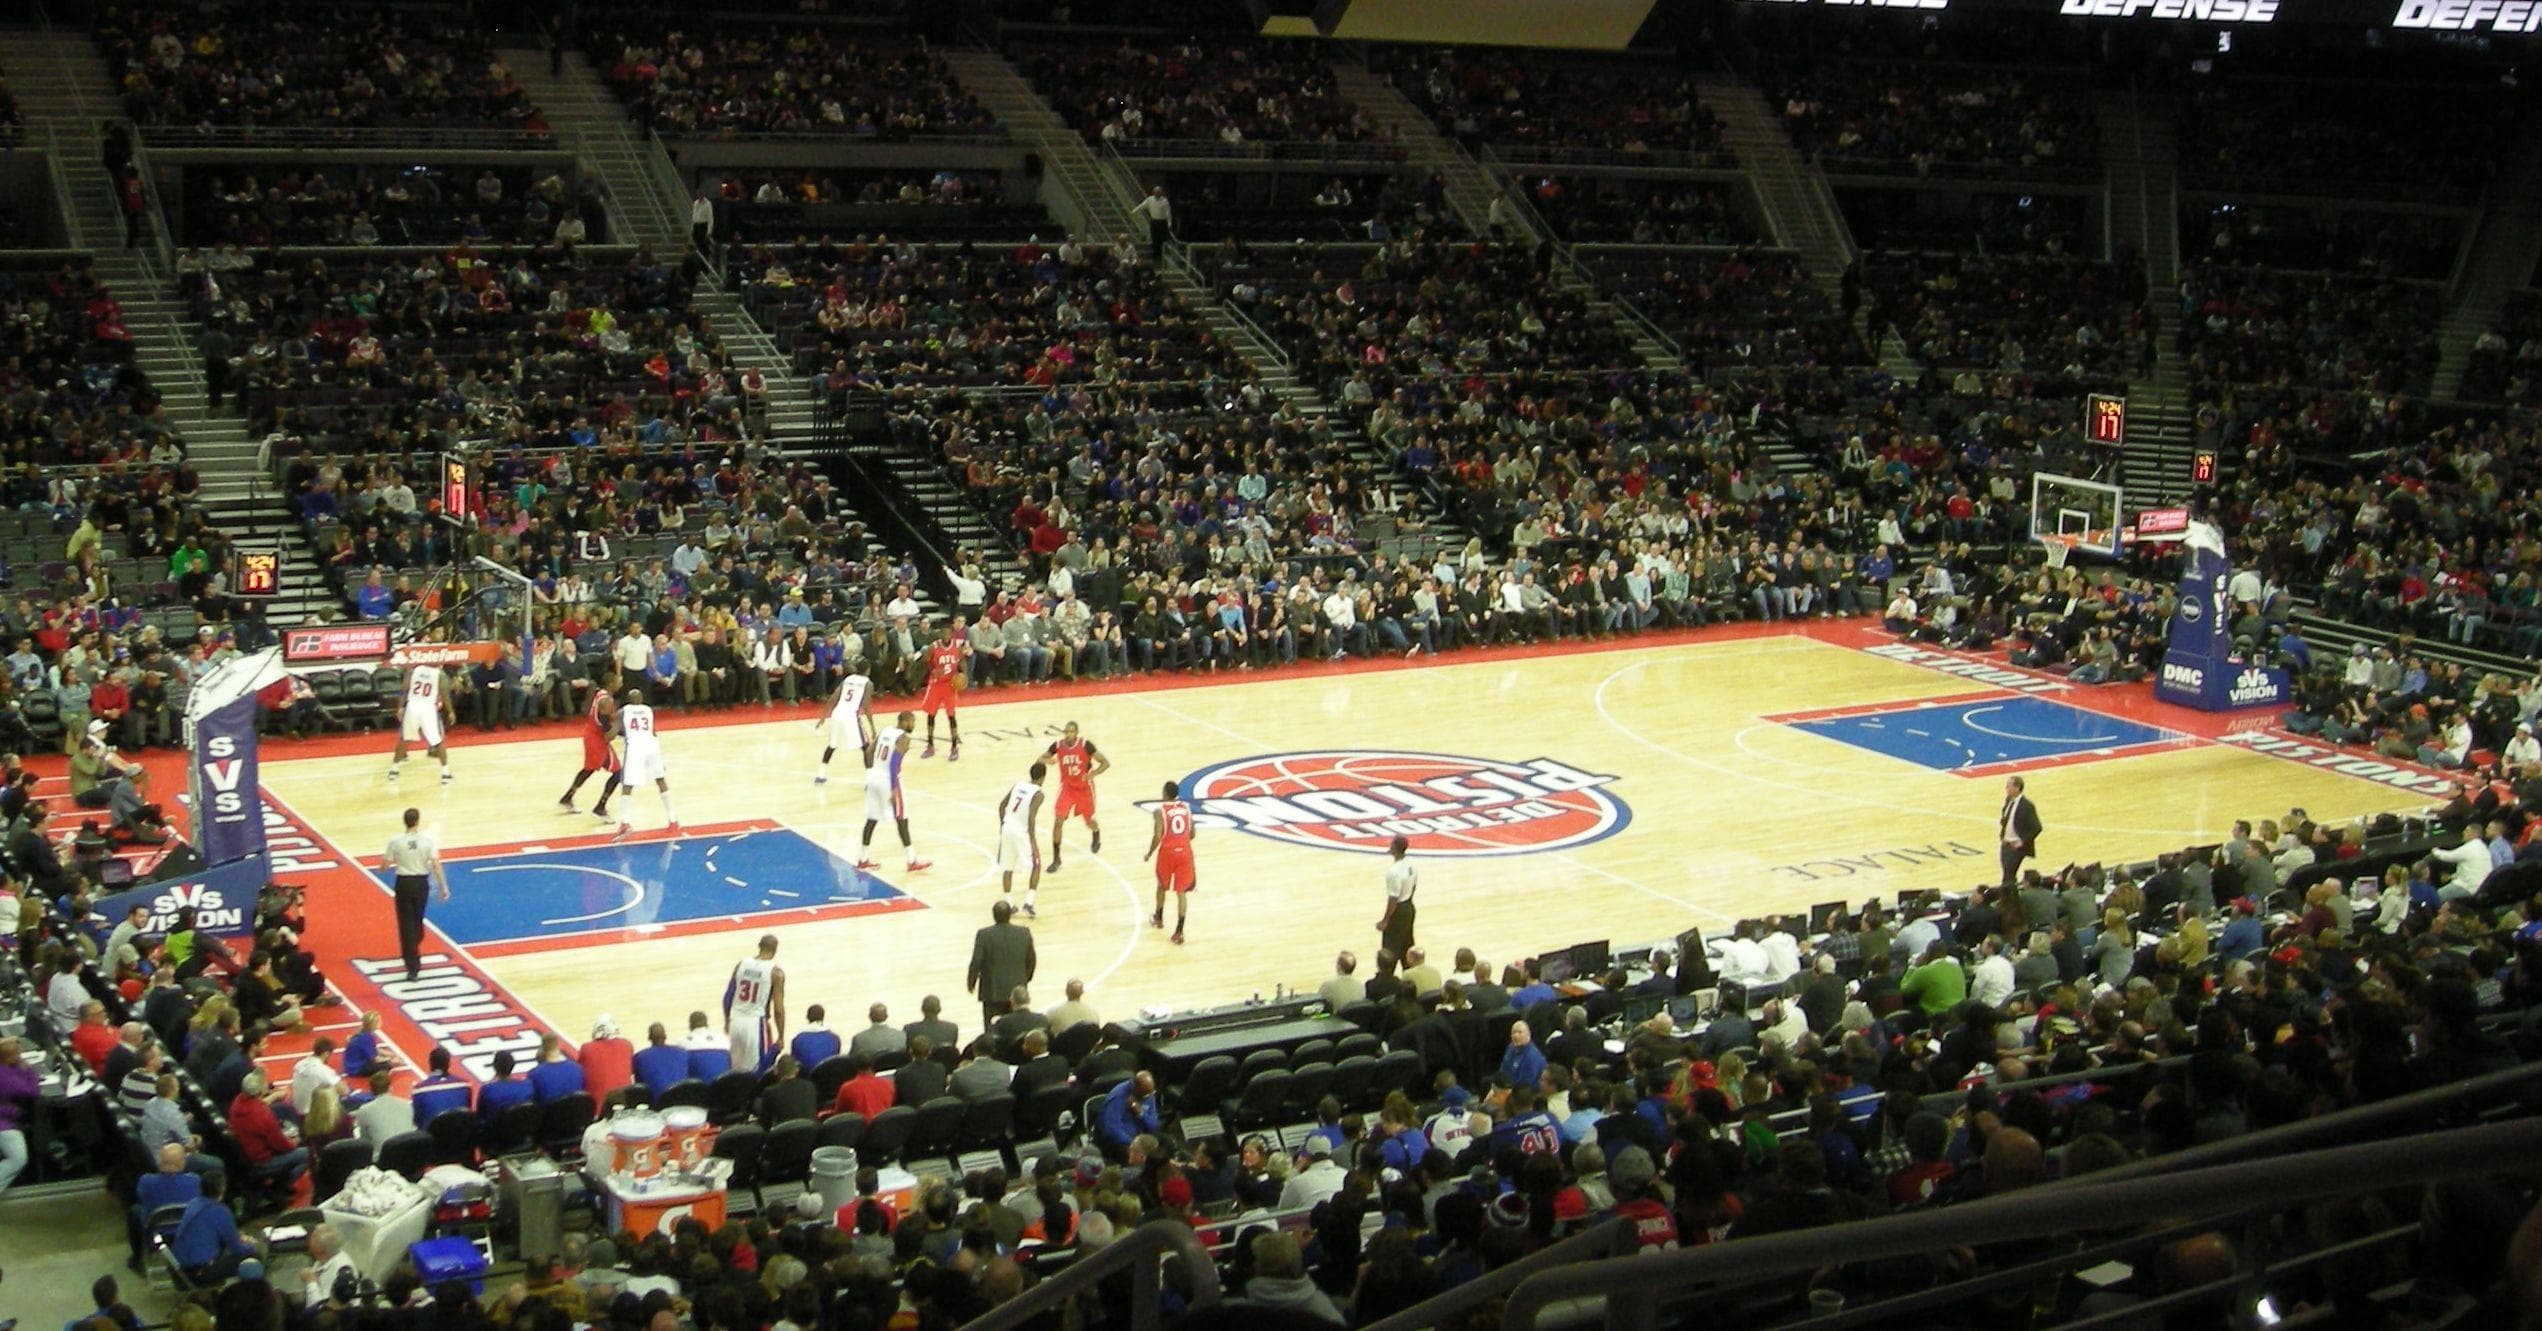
<point>1553,796</point>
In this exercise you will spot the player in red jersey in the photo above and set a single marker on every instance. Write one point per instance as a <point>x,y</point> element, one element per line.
<point>944,688</point>
<point>1171,847</point>
<point>600,753</point>
<point>1078,765</point>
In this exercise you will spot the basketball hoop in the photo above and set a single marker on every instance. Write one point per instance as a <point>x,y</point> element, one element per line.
<point>2058,548</point>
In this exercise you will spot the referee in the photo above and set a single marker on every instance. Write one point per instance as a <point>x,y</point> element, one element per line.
<point>415,863</point>
<point>1394,928</point>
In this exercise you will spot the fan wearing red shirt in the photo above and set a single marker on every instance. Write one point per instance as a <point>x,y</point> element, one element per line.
<point>607,1059</point>
<point>258,1131</point>
<point>868,1092</point>
<point>1631,1174</point>
<point>93,1040</point>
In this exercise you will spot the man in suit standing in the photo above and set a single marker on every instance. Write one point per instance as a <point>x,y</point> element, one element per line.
<point>2019,829</point>
<point>1002,959</point>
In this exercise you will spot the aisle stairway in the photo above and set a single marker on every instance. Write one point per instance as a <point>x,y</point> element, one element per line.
<point>2138,143</point>
<point>1799,206</point>
<point>1471,189</point>
<point>648,205</point>
<point>2503,254</point>
<point>1091,195</point>
<point>64,93</point>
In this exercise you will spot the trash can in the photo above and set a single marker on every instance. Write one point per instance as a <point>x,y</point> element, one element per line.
<point>834,1176</point>
<point>537,1202</point>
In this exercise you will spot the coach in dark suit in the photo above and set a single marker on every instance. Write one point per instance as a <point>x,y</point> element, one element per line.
<point>2018,829</point>
<point>1001,960</point>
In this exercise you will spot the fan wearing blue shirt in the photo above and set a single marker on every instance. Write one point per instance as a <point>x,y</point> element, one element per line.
<point>816,1043</point>
<point>439,1092</point>
<point>362,1052</point>
<point>1128,1110</point>
<point>505,1090</point>
<point>660,1064</point>
<point>1535,990</point>
<point>554,1076</point>
<point>1522,1064</point>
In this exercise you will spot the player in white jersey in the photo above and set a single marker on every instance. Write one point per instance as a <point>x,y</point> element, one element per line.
<point>643,760</point>
<point>755,1007</point>
<point>421,723</point>
<point>882,791</point>
<point>1016,847</point>
<point>848,724</point>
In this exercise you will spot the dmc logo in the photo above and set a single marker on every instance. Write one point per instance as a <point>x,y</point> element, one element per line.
<point>211,910</point>
<point>2187,677</point>
<point>1360,800</point>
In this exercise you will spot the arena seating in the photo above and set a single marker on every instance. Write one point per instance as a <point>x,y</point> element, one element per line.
<point>2245,325</point>
<point>941,206</point>
<point>1359,321</point>
<point>1139,97</point>
<point>1591,209</point>
<point>1939,119</point>
<point>740,77</point>
<point>2504,360</point>
<point>1545,104</point>
<point>247,67</point>
<point>1704,1090</point>
<point>2061,322</point>
<point>1711,1092</point>
<point>1733,311</point>
<point>69,392</point>
<point>961,316</point>
<point>328,350</point>
<point>2358,140</point>
<point>265,203</point>
<point>2418,246</point>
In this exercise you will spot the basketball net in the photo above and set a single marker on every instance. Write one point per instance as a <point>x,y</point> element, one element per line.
<point>2058,548</point>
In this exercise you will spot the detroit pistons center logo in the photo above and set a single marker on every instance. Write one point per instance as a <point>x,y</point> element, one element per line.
<point>1362,799</point>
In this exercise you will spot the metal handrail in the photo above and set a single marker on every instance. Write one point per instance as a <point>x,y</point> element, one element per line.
<point>1596,1243</point>
<point>961,139</point>
<point>1308,150</point>
<point>2343,1126</point>
<point>1536,155</point>
<point>65,206</point>
<point>1116,172</point>
<point>165,242</point>
<point>1140,1253</point>
<point>280,136</point>
<point>2222,1195</point>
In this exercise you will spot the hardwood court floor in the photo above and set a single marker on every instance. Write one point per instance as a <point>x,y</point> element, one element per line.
<point>1750,773</point>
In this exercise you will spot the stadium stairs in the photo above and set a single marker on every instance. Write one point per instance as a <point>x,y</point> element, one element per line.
<point>63,87</point>
<point>648,205</point>
<point>2504,251</point>
<point>1091,192</point>
<point>2138,143</point>
<point>1799,206</point>
<point>1471,190</point>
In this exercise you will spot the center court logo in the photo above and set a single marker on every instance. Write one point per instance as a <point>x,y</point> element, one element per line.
<point>1361,799</point>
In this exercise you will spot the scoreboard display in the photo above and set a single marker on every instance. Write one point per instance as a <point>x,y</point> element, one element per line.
<point>458,489</point>
<point>2105,419</point>
<point>2202,468</point>
<point>259,573</point>
<point>2492,18</point>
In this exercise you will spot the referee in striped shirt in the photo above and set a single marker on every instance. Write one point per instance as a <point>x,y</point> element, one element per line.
<point>414,864</point>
